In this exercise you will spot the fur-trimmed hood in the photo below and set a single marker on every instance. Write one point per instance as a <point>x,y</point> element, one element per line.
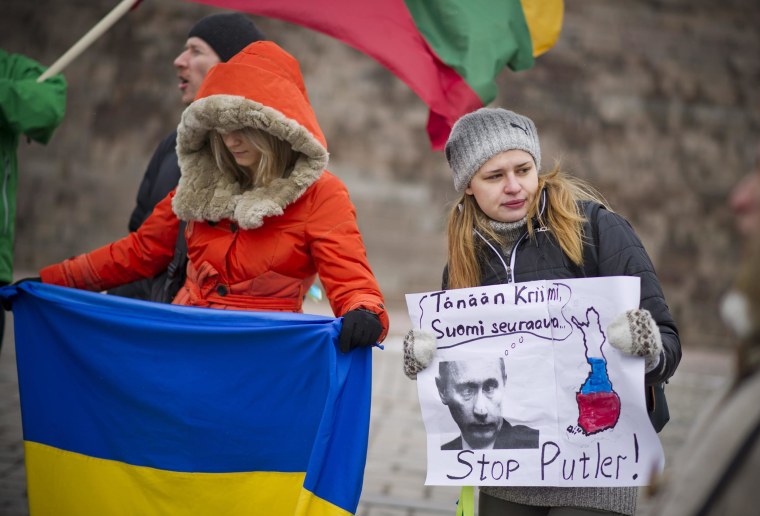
<point>260,87</point>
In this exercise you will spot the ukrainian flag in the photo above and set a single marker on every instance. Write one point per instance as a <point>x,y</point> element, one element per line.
<point>135,408</point>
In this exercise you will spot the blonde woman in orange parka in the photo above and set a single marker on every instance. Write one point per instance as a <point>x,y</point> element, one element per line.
<point>263,215</point>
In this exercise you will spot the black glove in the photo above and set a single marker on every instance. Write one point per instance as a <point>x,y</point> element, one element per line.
<point>361,328</point>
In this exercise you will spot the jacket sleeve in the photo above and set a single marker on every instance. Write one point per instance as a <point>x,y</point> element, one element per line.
<point>339,254</point>
<point>621,253</point>
<point>141,254</point>
<point>27,106</point>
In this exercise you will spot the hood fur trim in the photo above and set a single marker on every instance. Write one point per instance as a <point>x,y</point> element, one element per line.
<point>205,193</point>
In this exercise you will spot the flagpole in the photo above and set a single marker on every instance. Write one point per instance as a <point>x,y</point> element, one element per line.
<point>89,38</point>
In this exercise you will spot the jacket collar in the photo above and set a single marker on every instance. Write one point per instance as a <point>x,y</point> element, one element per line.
<point>205,193</point>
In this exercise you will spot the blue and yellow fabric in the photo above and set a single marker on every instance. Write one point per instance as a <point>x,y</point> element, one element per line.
<point>131,407</point>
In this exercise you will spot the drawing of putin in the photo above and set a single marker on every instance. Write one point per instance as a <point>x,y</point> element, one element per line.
<point>473,392</point>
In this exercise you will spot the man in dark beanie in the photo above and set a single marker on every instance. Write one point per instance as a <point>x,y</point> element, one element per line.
<point>214,39</point>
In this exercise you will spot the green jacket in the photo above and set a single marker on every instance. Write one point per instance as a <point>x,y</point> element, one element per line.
<point>30,108</point>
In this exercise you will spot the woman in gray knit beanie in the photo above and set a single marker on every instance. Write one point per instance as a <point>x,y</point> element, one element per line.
<point>513,223</point>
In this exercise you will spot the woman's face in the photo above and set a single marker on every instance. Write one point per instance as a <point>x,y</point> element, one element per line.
<point>505,185</point>
<point>242,150</point>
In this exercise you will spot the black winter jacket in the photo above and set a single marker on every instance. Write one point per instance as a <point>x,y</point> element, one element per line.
<point>619,252</point>
<point>161,177</point>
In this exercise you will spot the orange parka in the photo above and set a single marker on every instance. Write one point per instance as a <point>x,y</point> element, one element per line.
<point>256,249</point>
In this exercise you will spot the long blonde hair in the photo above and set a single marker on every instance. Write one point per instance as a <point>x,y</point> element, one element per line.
<point>562,216</point>
<point>277,158</point>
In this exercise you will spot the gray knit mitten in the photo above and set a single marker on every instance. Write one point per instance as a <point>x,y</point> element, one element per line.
<point>636,333</point>
<point>419,349</point>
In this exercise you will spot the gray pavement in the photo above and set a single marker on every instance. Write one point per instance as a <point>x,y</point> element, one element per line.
<point>394,483</point>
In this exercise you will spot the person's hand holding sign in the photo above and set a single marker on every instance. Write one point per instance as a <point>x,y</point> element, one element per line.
<point>419,350</point>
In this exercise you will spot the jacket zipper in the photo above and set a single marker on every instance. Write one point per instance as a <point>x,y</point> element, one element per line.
<point>510,269</point>
<point>498,254</point>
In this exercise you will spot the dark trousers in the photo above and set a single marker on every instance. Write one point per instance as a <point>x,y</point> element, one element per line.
<point>492,506</point>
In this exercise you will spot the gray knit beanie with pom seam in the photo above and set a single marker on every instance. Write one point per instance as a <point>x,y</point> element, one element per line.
<point>480,135</point>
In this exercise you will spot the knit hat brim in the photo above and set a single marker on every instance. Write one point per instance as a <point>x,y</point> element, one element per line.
<point>478,136</point>
<point>226,33</point>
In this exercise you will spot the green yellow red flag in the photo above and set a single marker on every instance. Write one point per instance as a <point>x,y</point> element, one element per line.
<point>449,52</point>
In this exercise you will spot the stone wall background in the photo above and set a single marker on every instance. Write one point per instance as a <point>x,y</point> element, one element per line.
<point>657,102</point>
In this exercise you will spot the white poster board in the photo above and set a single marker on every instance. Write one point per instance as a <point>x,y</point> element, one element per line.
<point>525,390</point>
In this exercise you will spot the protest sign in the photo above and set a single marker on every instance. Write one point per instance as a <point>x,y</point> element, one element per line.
<point>525,388</point>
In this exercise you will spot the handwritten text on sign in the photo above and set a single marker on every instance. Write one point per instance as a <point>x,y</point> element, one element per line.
<point>525,389</point>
